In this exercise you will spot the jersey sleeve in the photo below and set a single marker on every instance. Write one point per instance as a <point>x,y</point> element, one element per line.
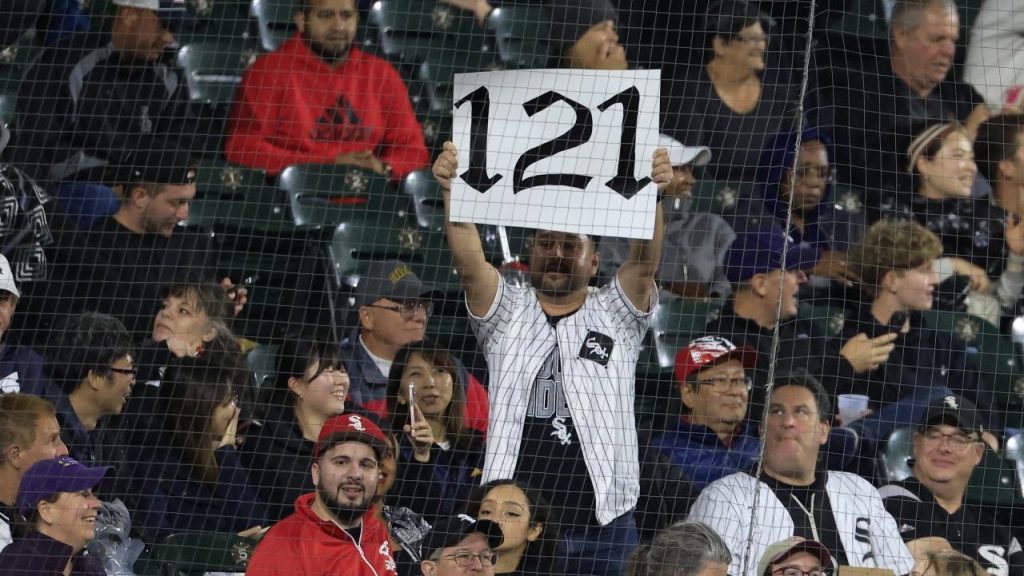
<point>495,321</point>
<point>717,507</point>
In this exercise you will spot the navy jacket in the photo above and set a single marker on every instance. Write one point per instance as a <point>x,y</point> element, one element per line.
<point>39,555</point>
<point>702,455</point>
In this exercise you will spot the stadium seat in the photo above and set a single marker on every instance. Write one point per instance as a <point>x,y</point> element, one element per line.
<point>199,552</point>
<point>994,482</point>
<point>437,78</point>
<point>826,319</point>
<point>674,323</point>
<point>217,177</point>
<point>425,193</point>
<point>231,198</point>
<point>213,70</point>
<point>360,241</point>
<point>262,362</point>
<point>898,448</point>
<point>520,240</point>
<point>273,21</point>
<point>8,100</point>
<point>325,195</point>
<point>718,197</point>
<point>521,35</point>
<point>412,31</point>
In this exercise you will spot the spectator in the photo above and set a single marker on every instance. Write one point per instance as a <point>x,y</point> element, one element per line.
<point>531,537</point>
<point>29,432</point>
<point>121,266</point>
<point>997,152</point>
<point>995,53</point>
<point>975,237</point>
<point>90,98</point>
<point>21,368</point>
<point>394,308</point>
<point>406,527</point>
<point>546,426</point>
<point>359,113</point>
<point>584,35</point>
<point>795,555</point>
<point>797,195</point>
<point>951,563</point>
<point>713,438</point>
<point>892,356</point>
<point>455,452</point>
<point>460,542</point>
<point>90,358</point>
<point>31,223</point>
<point>733,103</point>
<point>56,497</point>
<point>870,112</point>
<point>185,472</point>
<point>693,255</point>
<point>930,504</point>
<point>794,498</point>
<point>332,529</point>
<point>310,387</point>
<point>683,549</point>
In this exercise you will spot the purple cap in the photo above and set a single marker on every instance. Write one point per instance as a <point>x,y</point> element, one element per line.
<point>761,250</point>
<point>48,477</point>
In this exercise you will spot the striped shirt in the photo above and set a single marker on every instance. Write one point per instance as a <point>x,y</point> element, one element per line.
<point>869,535</point>
<point>599,346</point>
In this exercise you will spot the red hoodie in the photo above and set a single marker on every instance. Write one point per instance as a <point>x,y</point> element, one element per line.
<point>292,108</point>
<point>304,545</point>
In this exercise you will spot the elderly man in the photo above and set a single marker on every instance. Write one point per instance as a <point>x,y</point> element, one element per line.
<point>871,111</point>
<point>930,506</point>
<point>461,545</point>
<point>785,557</point>
<point>794,498</point>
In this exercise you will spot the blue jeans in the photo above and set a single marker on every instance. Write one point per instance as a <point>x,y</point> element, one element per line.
<point>600,550</point>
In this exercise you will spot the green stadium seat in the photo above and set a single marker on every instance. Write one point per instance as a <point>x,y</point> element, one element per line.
<point>414,30</point>
<point>213,70</point>
<point>521,36</point>
<point>262,362</point>
<point>826,319</point>
<point>994,482</point>
<point>273,21</point>
<point>217,177</point>
<point>325,195</point>
<point>520,240</point>
<point>719,197</point>
<point>898,448</point>
<point>360,241</point>
<point>191,553</point>
<point>427,201</point>
<point>437,78</point>
<point>231,198</point>
<point>674,323</point>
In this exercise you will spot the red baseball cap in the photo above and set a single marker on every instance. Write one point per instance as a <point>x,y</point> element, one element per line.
<point>707,351</point>
<point>350,428</point>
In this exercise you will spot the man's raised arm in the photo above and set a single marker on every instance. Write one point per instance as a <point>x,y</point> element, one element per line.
<point>636,274</point>
<point>479,278</point>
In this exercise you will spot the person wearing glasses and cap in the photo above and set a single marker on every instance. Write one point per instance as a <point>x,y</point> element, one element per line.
<point>461,545</point>
<point>796,556</point>
<point>57,499</point>
<point>88,97</point>
<point>333,529</point>
<point>394,307</point>
<point>930,506</point>
<point>693,252</point>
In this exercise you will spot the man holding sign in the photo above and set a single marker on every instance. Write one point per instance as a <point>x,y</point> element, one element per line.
<point>562,357</point>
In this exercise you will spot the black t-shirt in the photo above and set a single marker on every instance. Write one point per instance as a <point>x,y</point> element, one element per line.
<point>811,511</point>
<point>550,455</point>
<point>972,529</point>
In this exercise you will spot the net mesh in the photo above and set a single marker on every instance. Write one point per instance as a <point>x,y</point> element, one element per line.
<point>224,224</point>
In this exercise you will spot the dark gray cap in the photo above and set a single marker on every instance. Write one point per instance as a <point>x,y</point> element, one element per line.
<point>570,19</point>
<point>391,279</point>
<point>448,532</point>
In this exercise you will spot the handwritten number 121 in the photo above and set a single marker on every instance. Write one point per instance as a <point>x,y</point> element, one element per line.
<point>624,183</point>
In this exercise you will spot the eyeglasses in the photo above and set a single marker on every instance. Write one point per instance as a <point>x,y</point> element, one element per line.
<point>126,371</point>
<point>807,173</point>
<point>466,559</point>
<point>723,383</point>
<point>794,571</point>
<point>957,440</point>
<point>408,308</point>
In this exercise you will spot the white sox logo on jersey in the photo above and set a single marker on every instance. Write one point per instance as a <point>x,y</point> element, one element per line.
<point>862,534</point>
<point>597,347</point>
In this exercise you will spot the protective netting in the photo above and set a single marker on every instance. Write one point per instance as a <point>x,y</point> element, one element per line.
<point>232,277</point>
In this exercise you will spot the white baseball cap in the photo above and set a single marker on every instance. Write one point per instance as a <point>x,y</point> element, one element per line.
<point>681,155</point>
<point>7,277</point>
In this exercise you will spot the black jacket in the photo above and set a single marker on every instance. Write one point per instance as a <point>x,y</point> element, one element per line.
<point>39,555</point>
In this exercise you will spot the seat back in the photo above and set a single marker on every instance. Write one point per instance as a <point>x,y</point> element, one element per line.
<point>521,36</point>
<point>412,31</point>
<point>274,21</point>
<point>898,448</point>
<point>213,70</point>
<point>325,195</point>
<point>427,201</point>
<point>199,552</point>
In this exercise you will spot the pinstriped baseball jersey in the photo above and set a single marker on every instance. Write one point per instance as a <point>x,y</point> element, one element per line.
<point>869,535</point>
<point>598,346</point>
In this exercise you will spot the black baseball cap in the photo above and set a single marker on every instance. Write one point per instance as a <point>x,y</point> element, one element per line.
<point>391,279</point>
<point>450,531</point>
<point>761,250</point>
<point>570,20</point>
<point>158,161</point>
<point>953,410</point>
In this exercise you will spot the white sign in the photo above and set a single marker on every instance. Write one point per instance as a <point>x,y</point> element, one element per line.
<point>566,150</point>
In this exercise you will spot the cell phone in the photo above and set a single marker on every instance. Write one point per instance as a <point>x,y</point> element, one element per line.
<point>245,283</point>
<point>412,403</point>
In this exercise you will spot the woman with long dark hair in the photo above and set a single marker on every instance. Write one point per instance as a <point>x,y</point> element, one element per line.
<point>531,537</point>
<point>185,472</point>
<point>431,429</point>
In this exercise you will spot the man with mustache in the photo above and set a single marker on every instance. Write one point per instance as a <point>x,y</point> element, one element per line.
<point>332,530</point>
<point>794,497</point>
<point>562,357</point>
<point>319,99</point>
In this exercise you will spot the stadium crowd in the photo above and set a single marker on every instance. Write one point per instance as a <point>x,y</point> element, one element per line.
<point>819,414</point>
